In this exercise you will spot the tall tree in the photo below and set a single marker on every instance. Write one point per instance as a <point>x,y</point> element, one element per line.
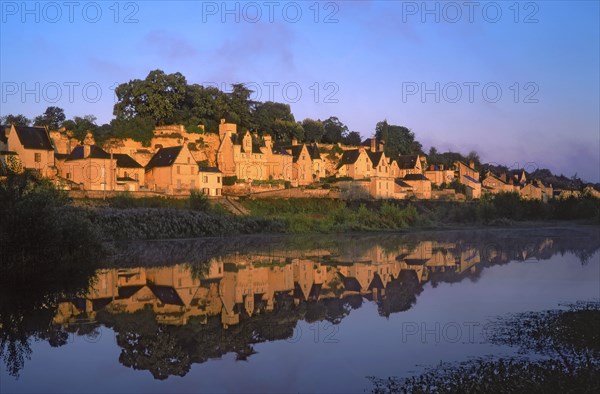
<point>399,140</point>
<point>335,130</point>
<point>353,138</point>
<point>17,120</point>
<point>158,97</point>
<point>313,130</point>
<point>267,113</point>
<point>80,126</point>
<point>53,118</point>
<point>241,107</point>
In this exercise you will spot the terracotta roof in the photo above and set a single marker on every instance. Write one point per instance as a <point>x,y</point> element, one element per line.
<point>165,157</point>
<point>126,161</point>
<point>34,138</point>
<point>95,153</point>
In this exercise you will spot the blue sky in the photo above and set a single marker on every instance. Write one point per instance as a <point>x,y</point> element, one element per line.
<point>517,82</point>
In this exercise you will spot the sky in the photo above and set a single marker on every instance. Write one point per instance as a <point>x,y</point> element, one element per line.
<point>518,82</point>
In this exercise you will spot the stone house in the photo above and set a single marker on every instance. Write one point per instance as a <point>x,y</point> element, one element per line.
<point>468,176</point>
<point>438,175</point>
<point>33,147</point>
<point>172,170</point>
<point>421,186</point>
<point>210,181</point>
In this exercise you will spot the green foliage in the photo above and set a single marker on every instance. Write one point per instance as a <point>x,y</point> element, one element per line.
<point>17,120</point>
<point>353,139</point>
<point>157,97</point>
<point>198,201</point>
<point>335,130</point>
<point>313,130</point>
<point>399,140</point>
<point>80,126</point>
<point>37,226</point>
<point>229,180</point>
<point>139,129</point>
<point>53,118</point>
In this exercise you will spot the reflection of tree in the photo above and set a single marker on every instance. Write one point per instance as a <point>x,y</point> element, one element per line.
<point>28,306</point>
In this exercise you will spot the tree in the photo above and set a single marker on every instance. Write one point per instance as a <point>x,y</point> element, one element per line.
<point>399,140</point>
<point>158,97</point>
<point>17,120</point>
<point>284,130</point>
<point>139,129</point>
<point>335,130</point>
<point>241,107</point>
<point>268,114</point>
<point>353,138</point>
<point>53,118</point>
<point>313,130</point>
<point>80,126</point>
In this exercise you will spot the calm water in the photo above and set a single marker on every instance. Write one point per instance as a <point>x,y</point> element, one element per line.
<point>316,314</point>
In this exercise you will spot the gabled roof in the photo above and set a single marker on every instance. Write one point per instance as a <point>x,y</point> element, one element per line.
<point>165,157</point>
<point>209,169</point>
<point>471,179</point>
<point>125,179</point>
<point>95,153</point>
<point>61,156</point>
<point>126,161</point>
<point>34,138</point>
<point>406,162</point>
<point>349,157</point>
<point>415,177</point>
<point>401,183</point>
<point>375,157</point>
<point>313,151</point>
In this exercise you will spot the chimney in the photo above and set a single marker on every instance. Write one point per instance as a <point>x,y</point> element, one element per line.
<point>373,144</point>
<point>471,164</point>
<point>294,141</point>
<point>431,167</point>
<point>87,148</point>
<point>381,145</point>
<point>441,167</point>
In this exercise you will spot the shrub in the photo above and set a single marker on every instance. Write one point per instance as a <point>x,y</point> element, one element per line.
<point>229,180</point>
<point>198,201</point>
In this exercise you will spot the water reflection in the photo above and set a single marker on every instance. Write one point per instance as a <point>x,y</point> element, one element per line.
<point>176,303</point>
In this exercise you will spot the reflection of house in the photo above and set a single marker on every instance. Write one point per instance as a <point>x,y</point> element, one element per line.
<point>33,147</point>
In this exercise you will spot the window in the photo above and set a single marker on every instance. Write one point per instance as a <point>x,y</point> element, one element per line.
<point>38,157</point>
<point>178,170</point>
<point>126,174</point>
<point>219,179</point>
<point>68,175</point>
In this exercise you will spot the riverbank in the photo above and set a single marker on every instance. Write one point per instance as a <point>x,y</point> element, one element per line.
<point>122,219</point>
